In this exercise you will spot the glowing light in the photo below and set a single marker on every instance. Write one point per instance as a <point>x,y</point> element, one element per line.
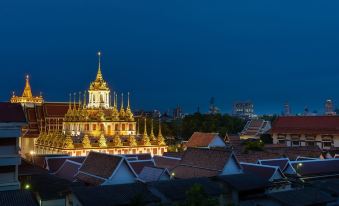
<point>32,152</point>
<point>27,186</point>
<point>300,164</point>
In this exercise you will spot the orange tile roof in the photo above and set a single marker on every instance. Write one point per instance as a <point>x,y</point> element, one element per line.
<point>200,139</point>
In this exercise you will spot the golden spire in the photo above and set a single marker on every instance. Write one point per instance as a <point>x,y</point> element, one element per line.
<point>70,102</point>
<point>84,106</point>
<point>128,101</point>
<point>75,96</point>
<point>79,107</point>
<point>122,110</point>
<point>145,127</point>
<point>160,139</point>
<point>27,91</point>
<point>122,101</point>
<point>152,136</point>
<point>99,74</point>
<point>145,139</point>
<point>114,99</point>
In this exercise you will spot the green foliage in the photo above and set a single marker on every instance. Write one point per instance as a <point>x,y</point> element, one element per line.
<point>266,138</point>
<point>254,146</point>
<point>196,196</point>
<point>183,129</point>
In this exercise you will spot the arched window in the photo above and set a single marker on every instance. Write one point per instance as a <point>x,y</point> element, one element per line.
<point>116,127</point>
<point>123,127</point>
<point>130,127</point>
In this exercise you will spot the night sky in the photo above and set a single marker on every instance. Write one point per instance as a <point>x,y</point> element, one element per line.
<point>169,52</point>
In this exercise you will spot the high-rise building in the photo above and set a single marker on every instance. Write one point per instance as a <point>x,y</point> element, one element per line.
<point>243,109</point>
<point>329,108</point>
<point>287,109</point>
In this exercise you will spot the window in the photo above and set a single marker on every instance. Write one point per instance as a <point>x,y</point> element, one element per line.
<point>123,127</point>
<point>130,127</point>
<point>94,127</point>
<point>281,141</point>
<point>102,127</point>
<point>295,143</point>
<point>86,127</point>
<point>116,127</point>
<point>327,144</point>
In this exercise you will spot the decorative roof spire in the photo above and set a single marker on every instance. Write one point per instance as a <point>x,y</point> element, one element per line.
<point>74,95</point>
<point>27,91</point>
<point>99,74</point>
<point>128,107</point>
<point>79,107</point>
<point>145,127</point>
<point>122,101</point>
<point>152,136</point>
<point>70,102</point>
<point>114,99</point>
<point>160,139</point>
<point>84,106</point>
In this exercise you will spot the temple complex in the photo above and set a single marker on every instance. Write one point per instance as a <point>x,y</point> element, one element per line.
<point>88,123</point>
<point>27,97</point>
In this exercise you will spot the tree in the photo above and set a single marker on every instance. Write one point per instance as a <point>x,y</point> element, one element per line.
<point>196,196</point>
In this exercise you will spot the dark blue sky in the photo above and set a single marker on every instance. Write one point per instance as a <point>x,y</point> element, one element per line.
<point>169,52</point>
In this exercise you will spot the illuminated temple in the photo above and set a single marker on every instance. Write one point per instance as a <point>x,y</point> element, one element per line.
<point>88,123</point>
<point>27,97</point>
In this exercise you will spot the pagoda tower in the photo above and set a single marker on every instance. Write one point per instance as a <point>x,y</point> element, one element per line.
<point>27,98</point>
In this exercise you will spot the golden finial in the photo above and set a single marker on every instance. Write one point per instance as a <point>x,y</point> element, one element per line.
<point>152,136</point>
<point>122,101</point>
<point>99,74</point>
<point>79,101</point>
<point>70,102</point>
<point>84,106</point>
<point>114,99</point>
<point>145,127</point>
<point>74,94</point>
<point>27,91</point>
<point>128,100</point>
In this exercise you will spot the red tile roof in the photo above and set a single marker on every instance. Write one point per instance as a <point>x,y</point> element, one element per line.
<point>151,174</point>
<point>100,164</point>
<point>144,156</point>
<point>281,162</point>
<point>306,125</point>
<point>200,162</point>
<point>166,162</point>
<point>187,172</point>
<point>54,163</point>
<point>91,180</point>
<point>68,170</point>
<point>139,165</point>
<point>263,171</point>
<point>317,167</point>
<point>200,139</point>
<point>10,112</point>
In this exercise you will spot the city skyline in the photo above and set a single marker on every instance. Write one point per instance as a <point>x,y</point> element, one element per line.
<point>267,52</point>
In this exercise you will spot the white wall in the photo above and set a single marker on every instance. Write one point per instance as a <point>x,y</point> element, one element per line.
<point>231,167</point>
<point>123,175</point>
<point>217,142</point>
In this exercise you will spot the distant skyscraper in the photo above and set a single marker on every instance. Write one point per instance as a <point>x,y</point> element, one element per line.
<point>329,109</point>
<point>243,109</point>
<point>213,109</point>
<point>287,109</point>
<point>177,112</point>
